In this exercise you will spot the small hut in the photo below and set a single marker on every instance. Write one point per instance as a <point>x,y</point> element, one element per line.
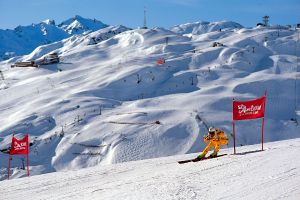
<point>217,44</point>
<point>25,64</point>
<point>50,58</point>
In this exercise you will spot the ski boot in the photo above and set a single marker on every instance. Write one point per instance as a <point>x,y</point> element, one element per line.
<point>200,157</point>
<point>213,155</point>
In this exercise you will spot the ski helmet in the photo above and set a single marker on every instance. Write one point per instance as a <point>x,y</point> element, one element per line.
<point>211,130</point>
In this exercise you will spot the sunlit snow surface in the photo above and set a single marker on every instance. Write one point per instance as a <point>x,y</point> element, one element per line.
<point>271,174</point>
<point>109,102</point>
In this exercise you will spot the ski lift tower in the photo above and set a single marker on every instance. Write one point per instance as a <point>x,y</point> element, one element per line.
<point>1,75</point>
<point>3,84</point>
<point>145,21</point>
<point>266,20</point>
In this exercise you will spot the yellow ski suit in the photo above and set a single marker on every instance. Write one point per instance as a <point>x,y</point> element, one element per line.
<point>217,139</point>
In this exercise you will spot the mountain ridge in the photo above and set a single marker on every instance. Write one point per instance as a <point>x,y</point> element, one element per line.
<point>24,39</point>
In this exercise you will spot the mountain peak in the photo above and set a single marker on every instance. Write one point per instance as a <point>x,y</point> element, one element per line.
<point>49,21</point>
<point>78,17</point>
<point>78,25</point>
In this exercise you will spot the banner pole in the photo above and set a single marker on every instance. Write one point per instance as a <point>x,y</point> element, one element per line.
<point>27,165</point>
<point>9,158</point>
<point>233,131</point>
<point>262,133</point>
<point>263,123</point>
<point>233,127</point>
<point>27,154</point>
<point>265,93</point>
<point>8,168</point>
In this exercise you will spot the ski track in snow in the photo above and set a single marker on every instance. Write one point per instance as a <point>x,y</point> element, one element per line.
<point>251,174</point>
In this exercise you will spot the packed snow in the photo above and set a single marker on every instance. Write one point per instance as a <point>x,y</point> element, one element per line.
<point>251,174</point>
<point>108,101</point>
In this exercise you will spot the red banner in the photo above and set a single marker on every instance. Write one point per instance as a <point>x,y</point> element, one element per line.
<point>160,61</point>
<point>19,146</point>
<point>249,109</point>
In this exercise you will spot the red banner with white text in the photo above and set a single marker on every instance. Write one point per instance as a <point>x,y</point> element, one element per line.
<point>19,147</point>
<point>252,109</point>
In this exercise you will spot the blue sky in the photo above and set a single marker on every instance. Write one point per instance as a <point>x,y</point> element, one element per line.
<point>164,13</point>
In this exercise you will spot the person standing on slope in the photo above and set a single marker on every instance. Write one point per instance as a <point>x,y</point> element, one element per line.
<point>215,138</point>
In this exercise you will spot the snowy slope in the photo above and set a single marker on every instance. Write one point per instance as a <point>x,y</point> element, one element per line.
<point>23,39</point>
<point>78,41</point>
<point>109,102</point>
<point>205,27</point>
<point>271,174</point>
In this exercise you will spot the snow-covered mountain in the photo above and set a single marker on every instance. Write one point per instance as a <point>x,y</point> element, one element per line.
<point>24,39</point>
<point>74,41</point>
<point>271,174</point>
<point>79,25</point>
<point>205,27</point>
<point>108,101</point>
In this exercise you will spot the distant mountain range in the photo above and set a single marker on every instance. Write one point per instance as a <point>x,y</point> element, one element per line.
<point>24,39</point>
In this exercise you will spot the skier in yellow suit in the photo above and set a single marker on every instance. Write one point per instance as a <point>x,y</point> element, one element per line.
<point>214,138</point>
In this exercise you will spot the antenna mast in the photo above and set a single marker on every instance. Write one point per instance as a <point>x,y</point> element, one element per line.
<point>266,20</point>
<point>145,21</point>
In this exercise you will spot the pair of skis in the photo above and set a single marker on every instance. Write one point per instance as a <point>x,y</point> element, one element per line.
<point>197,160</point>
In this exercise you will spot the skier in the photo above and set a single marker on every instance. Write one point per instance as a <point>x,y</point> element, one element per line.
<point>214,138</point>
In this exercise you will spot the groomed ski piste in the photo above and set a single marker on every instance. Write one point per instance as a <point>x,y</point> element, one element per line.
<point>251,174</point>
<point>108,102</point>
